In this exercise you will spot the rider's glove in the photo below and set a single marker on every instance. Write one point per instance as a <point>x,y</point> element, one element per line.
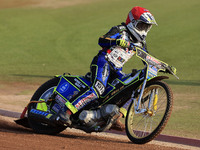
<point>122,43</point>
<point>172,69</point>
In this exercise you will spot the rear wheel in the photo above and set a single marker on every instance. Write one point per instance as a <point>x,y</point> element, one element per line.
<point>44,92</point>
<point>145,126</point>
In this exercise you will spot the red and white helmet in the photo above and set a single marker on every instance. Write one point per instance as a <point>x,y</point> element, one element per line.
<point>139,22</point>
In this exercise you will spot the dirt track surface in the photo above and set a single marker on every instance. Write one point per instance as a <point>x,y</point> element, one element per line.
<point>13,136</point>
<point>14,97</point>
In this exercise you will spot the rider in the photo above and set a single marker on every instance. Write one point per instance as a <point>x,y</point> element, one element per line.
<point>109,62</point>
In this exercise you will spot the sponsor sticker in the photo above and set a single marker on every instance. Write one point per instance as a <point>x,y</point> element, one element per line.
<point>71,96</point>
<point>105,72</point>
<point>56,108</point>
<point>35,111</point>
<point>85,100</point>
<point>151,59</point>
<point>79,84</point>
<point>63,88</point>
<point>99,87</point>
<point>60,101</point>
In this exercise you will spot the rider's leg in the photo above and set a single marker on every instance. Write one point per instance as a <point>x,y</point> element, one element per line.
<point>100,73</point>
<point>100,70</point>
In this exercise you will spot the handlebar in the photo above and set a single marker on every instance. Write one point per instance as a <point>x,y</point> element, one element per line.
<point>150,60</point>
<point>171,71</point>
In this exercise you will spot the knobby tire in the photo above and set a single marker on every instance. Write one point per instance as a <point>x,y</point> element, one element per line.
<point>38,127</point>
<point>130,116</point>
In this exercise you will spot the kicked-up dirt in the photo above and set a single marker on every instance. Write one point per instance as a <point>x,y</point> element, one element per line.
<point>13,136</point>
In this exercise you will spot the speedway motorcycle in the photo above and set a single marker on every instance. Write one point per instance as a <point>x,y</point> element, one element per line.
<point>149,99</point>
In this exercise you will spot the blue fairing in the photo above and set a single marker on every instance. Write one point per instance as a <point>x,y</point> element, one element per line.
<point>85,81</point>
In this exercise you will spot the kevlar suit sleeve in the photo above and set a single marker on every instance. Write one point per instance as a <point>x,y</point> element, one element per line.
<point>109,39</point>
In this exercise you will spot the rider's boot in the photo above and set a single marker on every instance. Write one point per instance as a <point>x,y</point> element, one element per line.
<point>118,125</point>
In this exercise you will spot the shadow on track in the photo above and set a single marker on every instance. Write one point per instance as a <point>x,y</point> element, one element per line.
<point>89,137</point>
<point>9,126</point>
<point>12,127</point>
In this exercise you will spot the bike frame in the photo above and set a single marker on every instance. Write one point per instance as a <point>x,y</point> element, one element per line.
<point>153,66</point>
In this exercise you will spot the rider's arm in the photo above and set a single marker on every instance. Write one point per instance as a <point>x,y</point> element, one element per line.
<point>109,39</point>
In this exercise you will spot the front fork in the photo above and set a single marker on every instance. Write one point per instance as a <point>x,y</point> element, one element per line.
<point>136,107</point>
<point>153,98</point>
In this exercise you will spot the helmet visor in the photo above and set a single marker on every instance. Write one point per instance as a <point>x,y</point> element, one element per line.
<point>141,26</point>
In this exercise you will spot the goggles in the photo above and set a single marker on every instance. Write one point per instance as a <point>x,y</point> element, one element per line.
<point>141,26</point>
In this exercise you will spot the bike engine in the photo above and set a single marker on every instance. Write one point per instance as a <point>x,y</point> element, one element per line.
<point>94,117</point>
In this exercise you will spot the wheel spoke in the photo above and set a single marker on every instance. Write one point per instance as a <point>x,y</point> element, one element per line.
<point>144,124</point>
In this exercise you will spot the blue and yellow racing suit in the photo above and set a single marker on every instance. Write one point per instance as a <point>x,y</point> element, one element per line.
<point>104,67</point>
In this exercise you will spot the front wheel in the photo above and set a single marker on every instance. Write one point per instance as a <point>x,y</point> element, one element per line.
<point>156,103</point>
